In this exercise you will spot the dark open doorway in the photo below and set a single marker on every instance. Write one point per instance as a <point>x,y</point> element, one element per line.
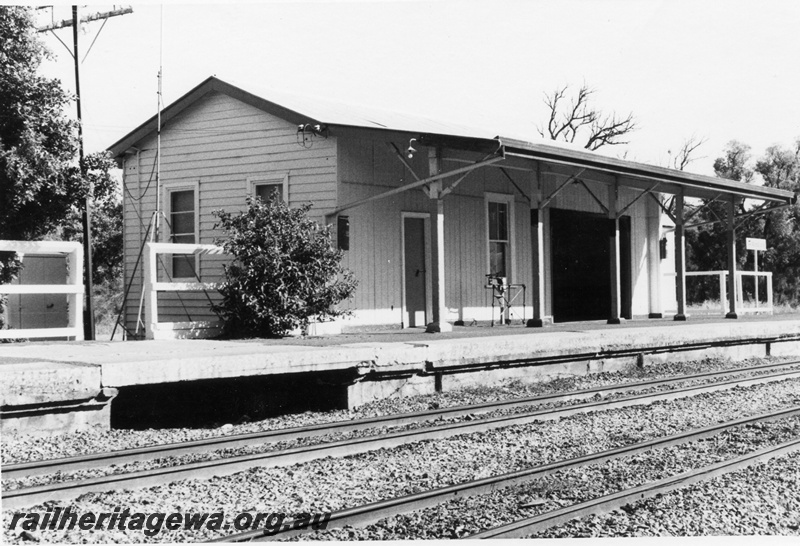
<point>580,265</point>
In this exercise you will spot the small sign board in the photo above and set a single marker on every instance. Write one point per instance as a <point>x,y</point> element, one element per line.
<point>753,243</point>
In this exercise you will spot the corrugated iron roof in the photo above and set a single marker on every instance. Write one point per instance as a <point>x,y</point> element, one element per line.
<point>358,115</point>
<point>300,109</point>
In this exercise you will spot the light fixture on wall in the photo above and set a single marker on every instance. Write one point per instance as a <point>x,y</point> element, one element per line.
<point>306,133</point>
<point>411,150</point>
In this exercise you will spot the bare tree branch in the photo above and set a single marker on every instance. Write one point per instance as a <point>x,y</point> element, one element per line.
<point>684,155</point>
<point>607,131</point>
<point>580,118</point>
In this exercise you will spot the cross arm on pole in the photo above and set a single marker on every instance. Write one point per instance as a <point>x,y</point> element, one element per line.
<point>87,19</point>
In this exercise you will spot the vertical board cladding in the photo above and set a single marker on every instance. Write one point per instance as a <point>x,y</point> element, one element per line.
<point>217,146</point>
<point>368,167</point>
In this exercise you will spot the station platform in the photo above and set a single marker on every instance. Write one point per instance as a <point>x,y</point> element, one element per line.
<point>52,387</point>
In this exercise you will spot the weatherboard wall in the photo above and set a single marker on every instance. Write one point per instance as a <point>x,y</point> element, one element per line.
<point>368,167</point>
<point>219,143</point>
<point>215,146</point>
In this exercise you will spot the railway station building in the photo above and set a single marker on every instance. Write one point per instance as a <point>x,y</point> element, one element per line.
<point>441,224</point>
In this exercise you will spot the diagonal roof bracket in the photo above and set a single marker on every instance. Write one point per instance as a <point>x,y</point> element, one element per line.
<point>665,209</point>
<point>393,146</point>
<point>596,199</point>
<point>698,209</point>
<point>648,191</point>
<point>452,186</point>
<point>566,183</point>
<point>505,172</point>
<point>417,184</point>
<point>761,208</point>
<point>740,216</point>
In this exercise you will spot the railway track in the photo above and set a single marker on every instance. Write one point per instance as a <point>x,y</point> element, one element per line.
<point>70,464</point>
<point>608,503</point>
<point>28,496</point>
<point>373,512</point>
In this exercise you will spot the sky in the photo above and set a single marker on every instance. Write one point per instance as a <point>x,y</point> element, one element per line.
<point>711,70</point>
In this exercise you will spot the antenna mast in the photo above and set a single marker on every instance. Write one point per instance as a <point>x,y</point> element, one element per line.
<point>158,131</point>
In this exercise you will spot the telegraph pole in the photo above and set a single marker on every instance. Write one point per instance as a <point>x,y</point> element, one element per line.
<point>86,220</point>
<point>88,284</point>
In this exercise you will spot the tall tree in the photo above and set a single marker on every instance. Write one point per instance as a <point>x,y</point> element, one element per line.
<point>39,180</point>
<point>576,120</point>
<point>42,190</point>
<point>706,247</point>
<point>39,183</point>
<point>780,168</point>
<point>734,165</point>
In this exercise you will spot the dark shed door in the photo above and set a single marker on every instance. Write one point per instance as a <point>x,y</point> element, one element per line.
<point>414,255</point>
<point>580,265</point>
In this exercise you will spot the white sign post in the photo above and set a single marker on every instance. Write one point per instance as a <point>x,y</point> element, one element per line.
<point>755,244</point>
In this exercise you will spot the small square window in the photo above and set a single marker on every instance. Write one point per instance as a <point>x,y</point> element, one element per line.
<point>269,191</point>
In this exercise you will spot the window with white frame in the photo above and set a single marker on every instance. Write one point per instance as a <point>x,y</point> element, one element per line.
<point>269,189</point>
<point>499,238</point>
<point>183,229</point>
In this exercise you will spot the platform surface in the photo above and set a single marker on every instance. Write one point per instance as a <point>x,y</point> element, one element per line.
<point>35,370</point>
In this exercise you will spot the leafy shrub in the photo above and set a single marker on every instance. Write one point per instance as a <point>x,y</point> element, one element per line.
<point>285,270</point>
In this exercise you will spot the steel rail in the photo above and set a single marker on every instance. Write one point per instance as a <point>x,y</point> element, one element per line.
<point>28,496</point>
<point>68,464</point>
<point>373,512</point>
<point>607,503</point>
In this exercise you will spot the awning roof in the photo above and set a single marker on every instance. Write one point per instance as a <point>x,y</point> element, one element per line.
<point>643,176</point>
<point>300,110</point>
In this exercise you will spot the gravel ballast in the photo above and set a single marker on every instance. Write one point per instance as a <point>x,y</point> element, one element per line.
<point>762,499</point>
<point>464,517</point>
<point>331,484</point>
<point>26,449</point>
<point>172,461</point>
